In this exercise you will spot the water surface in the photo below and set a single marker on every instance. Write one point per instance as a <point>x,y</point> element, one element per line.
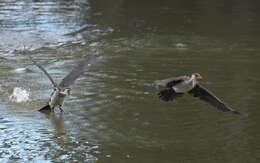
<point>113,114</point>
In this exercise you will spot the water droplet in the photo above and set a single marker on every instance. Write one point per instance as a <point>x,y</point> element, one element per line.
<point>108,156</point>
<point>21,70</point>
<point>180,45</point>
<point>93,44</point>
<point>146,93</point>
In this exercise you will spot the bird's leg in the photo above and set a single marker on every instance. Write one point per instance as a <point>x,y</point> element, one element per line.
<point>61,110</point>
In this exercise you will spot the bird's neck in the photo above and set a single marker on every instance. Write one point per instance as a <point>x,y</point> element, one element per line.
<point>192,78</point>
<point>192,81</point>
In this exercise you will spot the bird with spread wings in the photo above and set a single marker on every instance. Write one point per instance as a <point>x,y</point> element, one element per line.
<point>61,90</point>
<point>177,86</point>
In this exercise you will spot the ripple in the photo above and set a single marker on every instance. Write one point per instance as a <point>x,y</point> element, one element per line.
<point>46,23</point>
<point>22,70</point>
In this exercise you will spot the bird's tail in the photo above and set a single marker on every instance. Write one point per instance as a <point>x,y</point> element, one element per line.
<point>45,108</point>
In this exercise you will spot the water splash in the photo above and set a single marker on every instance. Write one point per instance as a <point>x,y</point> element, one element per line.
<point>19,95</point>
<point>180,46</point>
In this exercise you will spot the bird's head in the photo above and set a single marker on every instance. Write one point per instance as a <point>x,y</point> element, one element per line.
<point>63,92</point>
<point>196,76</point>
<point>66,91</point>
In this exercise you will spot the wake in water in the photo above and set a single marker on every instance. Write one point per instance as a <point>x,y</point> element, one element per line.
<point>19,95</point>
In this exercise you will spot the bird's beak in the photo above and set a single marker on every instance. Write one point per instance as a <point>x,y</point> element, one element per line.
<point>199,77</point>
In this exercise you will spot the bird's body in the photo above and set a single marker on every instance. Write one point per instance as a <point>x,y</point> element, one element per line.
<point>57,98</point>
<point>185,86</point>
<point>177,87</point>
<point>62,89</point>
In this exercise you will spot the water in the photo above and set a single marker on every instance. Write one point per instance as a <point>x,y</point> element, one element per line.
<point>113,114</point>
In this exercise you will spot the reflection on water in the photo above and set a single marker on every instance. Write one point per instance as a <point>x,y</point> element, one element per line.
<point>113,114</point>
<point>41,23</point>
<point>66,146</point>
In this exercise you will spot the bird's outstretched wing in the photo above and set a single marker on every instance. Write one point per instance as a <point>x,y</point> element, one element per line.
<point>170,82</point>
<point>77,71</point>
<point>45,72</point>
<point>205,95</point>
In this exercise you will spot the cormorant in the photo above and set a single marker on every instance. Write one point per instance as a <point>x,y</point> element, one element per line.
<point>61,90</point>
<point>178,86</point>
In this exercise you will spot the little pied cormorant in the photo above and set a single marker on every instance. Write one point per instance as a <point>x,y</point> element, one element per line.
<point>178,86</point>
<point>61,90</point>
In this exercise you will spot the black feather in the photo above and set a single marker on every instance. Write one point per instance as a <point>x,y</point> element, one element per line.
<point>45,108</point>
<point>77,71</point>
<point>168,94</point>
<point>173,83</point>
<point>43,69</point>
<point>170,82</point>
<point>207,96</point>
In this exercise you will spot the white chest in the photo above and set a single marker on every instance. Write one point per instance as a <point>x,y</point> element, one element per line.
<point>185,86</point>
<point>56,99</point>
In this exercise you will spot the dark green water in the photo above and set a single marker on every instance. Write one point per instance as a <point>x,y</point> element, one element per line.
<point>113,114</point>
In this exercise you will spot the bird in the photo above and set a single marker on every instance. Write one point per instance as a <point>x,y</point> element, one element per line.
<point>63,89</point>
<point>176,87</point>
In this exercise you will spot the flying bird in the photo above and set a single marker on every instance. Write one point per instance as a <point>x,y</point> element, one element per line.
<point>178,86</point>
<point>61,90</point>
